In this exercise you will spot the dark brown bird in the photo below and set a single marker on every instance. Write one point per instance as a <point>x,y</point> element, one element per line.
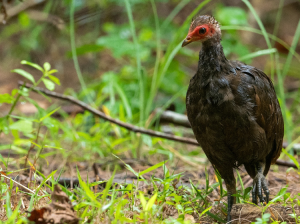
<point>233,111</point>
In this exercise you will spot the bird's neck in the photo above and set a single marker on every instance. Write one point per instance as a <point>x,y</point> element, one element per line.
<point>212,62</point>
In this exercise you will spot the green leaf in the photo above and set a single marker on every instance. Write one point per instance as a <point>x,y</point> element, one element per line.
<point>54,79</point>
<point>24,19</point>
<point>44,181</point>
<point>292,158</point>
<point>47,66</point>
<point>32,65</point>
<point>52,71</point>
<point>87,190</point>
<point>205,211</point>
<point>231,16</point>
<point>152,168</point>
<point>49,84</point>
<point>215,217</point>
<point>279,195</point>
<point>132,170</point>
<point>147,140</point>
<point>50,113</point>
<point>246,192</point>
<point>124,99</point>
<point>24,126</point>
<point>122,47</point>
<point>3,161</point>
<point>198,193</point>
<point>151,202</point>
<point>221,183</point>
<point>24,74</point>
<point>6,98</point>
<point>241,181</point>
<point>107,187</point>
<point>15,214</point>
<point>143,200</point>
<point>8,203</point>
<point>87,48</point>
<point>3,188</point>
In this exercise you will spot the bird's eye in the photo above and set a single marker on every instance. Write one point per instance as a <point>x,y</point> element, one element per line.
<point>202,30</point>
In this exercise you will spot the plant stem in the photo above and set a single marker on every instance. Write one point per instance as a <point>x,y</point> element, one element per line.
<point>174,13</point>
<point>277,20</point>
<point>139,73</point>
<point>291,51</point>
<point>158,56</point>
<point>74,53</point>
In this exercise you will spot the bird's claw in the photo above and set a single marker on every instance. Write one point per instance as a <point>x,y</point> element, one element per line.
<point>260,185</point>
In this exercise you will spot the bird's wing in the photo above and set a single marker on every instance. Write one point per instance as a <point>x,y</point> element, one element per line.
<point>267,111</point>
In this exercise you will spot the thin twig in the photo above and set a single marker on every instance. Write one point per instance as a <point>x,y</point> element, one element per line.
<point>100,114</point>
<point>17,183</point>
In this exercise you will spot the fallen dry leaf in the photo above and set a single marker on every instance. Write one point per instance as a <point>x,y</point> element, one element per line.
<point>60,211</point>
<point>190,218</point>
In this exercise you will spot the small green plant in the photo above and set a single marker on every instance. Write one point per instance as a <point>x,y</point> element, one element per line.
<point>264,220</point>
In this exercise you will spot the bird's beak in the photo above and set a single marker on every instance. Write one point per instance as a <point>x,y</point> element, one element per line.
<point>186,41</point>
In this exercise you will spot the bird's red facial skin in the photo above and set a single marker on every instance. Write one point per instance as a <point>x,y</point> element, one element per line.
<point>196,34</point>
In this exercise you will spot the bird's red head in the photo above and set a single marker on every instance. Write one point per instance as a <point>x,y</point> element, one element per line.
<point>202,28</point>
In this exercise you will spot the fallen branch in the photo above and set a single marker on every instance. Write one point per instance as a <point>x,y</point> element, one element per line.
<point>107,118</point>
<point>129,127</point>
<point>173,117</point>
<point>285,163</point>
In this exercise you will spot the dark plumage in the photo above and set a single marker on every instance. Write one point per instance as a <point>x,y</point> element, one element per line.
<point>233,111</point>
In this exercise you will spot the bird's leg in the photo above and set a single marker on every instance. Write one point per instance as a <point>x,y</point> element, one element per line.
<point>231,189</point>
<point>228,176</point>
<point>260,185</point>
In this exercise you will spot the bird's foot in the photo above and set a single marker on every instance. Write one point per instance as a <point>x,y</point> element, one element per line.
<point>260,185</point>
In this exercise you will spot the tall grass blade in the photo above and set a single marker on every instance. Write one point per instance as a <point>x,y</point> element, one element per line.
<point>221,183</point>
<point>87,190</point>
<point>291,51</point>
<point>175,11</point>
<point>8,203</point>
<point>138,62</point>
<point>258,53</point>
<point>152,168</point>
<point>241,181</point>
<point>277,20</point>
<point>285,113</point>
<point>107,187</point>
<point>292,158</point>
<point>124,100</point>
<point>265,34</point>
<point>290,148</point>
<point>73,48</point>
<point>157,60</point>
